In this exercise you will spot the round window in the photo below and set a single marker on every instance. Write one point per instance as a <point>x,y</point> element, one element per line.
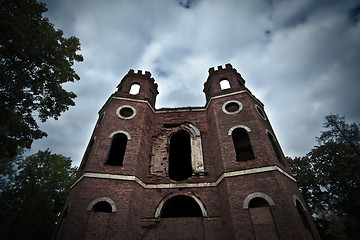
<point>232,107</point>
<point>126,112</point>
<point>260,112</point>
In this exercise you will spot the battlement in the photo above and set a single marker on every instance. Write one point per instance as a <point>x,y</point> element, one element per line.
<point>220,68</point>
<point>141,74</point>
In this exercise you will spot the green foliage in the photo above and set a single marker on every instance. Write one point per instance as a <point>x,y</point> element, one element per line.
<point>34,195</point>
<point>35,60</point>
<point>329,179</point>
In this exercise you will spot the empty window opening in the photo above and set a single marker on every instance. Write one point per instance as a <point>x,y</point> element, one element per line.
<point>232,107</point>
<point>126,112</point>
<point>242,145</point>
<point>258,202</point>
<point>224,84</point>
<point>134,89</point>
<point>102,206</point>
<point>117,150</point>
<point>275,146</point>
<point>181,206</point>
<point>180,156</point>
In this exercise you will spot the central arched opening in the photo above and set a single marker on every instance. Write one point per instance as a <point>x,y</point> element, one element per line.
<point>180,156</point>
<point>181,206</point>
<point>242,145</point>
<point>117,150</point>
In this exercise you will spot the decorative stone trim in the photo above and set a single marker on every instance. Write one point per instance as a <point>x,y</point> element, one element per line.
<point>238,126</point>
<point>260,112</point>
<point>254,195</point>
<point>183,185</point>
<point>297,198</point>
<point>118,112</point>
<point>120,131</point>
<point>189,194</point>
<point>226,104</point>
<point>106,199</point>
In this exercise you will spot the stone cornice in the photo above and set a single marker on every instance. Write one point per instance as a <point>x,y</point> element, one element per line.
<point>182,185</point>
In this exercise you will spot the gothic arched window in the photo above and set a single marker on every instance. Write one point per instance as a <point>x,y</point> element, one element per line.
<point>242,145</point>
<point>180,156</point>
<point>117,150</point>
<point>275,146</point>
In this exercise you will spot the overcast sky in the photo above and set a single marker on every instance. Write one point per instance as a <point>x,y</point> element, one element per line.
<point>301,58</point>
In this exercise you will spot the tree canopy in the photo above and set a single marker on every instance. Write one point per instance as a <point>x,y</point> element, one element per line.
<point>34,195</point>
<point>35,61</point>
<point>329,179</point>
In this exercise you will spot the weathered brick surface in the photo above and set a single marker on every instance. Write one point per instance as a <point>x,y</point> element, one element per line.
<point>142,185</point>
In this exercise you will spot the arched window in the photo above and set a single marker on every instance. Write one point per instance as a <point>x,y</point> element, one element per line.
<point>224,84</point>
<point>117,150</point>
<point>301,212</point>
<point>102,206</point>
<point>242,145</point>
<point>134,89</point>
<point>262,219</point>
<point>181,206</point>
<point>258,202</point>
<point>275,146</point>
<point>180,156</point>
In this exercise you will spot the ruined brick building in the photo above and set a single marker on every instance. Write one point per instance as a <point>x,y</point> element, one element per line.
<point>212,172</point>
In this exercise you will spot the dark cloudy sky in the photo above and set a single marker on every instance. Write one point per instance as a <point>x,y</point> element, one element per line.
<point>301,58</point>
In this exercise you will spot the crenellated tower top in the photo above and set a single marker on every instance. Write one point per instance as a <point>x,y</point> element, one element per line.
<point>138,85</point>
<point>223,80</point>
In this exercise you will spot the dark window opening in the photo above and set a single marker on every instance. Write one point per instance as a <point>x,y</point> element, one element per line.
<point>180,156</point>
<point>275,146</point>
<point>102,206</point>
<point>260,111</point>
<point>181,206</point>
<point>117,150</point>
<point>242,145</point>
<point>302,214</point>
<point>258,202</point>
<point>232,107</point>
<point>126,112</point>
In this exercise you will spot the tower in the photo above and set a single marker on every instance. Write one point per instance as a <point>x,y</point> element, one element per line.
<point>212,172</point>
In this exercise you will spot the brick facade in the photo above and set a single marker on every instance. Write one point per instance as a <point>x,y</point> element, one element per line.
<point>255,198</point>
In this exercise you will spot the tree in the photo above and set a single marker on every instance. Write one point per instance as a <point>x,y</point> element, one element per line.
<point>329,179</point>
<point>35,60</point>
<point>33,198</point>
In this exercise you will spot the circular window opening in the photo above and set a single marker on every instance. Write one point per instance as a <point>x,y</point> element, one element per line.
<point>126,112</point>
<point>260,112</point>
<point>232,107</point>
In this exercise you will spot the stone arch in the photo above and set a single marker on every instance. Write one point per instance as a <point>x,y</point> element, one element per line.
<point>160,206</point>
<point>102,199</point>
<point>242,143</point>
<point>238,126</point>
<point>297,198</point>
<point>120,131</point>
<point>197,161</point>
<point>257,195</point>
